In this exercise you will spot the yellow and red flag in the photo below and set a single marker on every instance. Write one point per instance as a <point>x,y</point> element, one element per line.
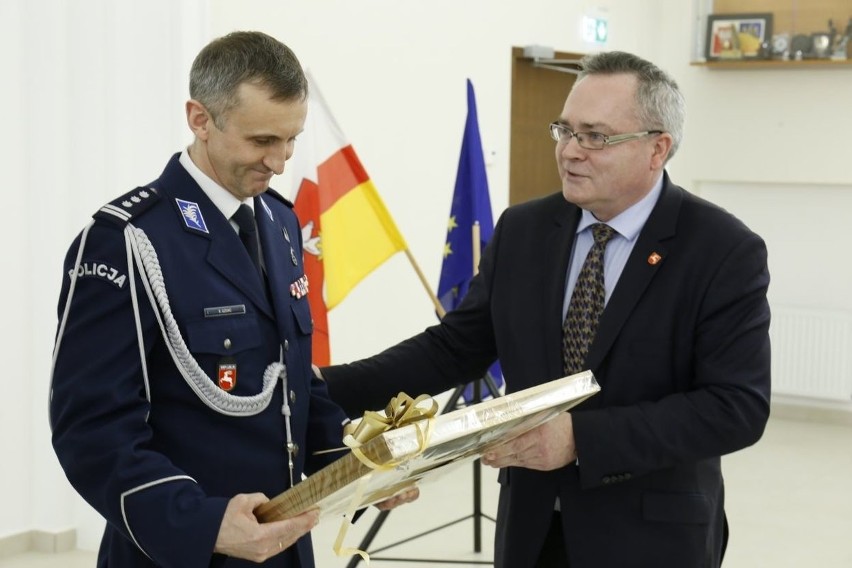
<point>346,229</point>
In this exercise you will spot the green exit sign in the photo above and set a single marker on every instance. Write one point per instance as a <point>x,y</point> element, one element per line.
<point>595,30</point>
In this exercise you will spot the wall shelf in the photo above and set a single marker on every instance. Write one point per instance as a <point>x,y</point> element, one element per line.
<point>790,18</point>
<point>775,64</point>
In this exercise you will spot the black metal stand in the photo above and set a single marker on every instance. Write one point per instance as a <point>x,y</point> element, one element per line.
<point>477,514</point>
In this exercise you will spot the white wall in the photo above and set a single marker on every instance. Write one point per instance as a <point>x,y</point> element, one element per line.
<point>92,98</point>
<point>15,418</point>
<point>95,108</point>
<point>393,73</point>
<point>780,131</point>
<point>776,140</point>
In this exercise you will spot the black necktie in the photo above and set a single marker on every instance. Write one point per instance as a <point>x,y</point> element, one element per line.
<point>587,304</point>
<point>244,218</point>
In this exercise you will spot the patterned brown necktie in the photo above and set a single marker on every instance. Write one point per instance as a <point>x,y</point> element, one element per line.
<point>587,304</point>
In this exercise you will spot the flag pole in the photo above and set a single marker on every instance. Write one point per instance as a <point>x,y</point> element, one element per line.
<point>438,307</point>
<point>474,230</point>
<point>476,254</point>
<point>477,397</point>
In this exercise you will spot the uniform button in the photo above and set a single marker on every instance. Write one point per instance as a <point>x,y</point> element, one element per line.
<point>606,480</point>
<point>286,345</point>
<point>293,447</point>
<point>227,343</point>
<point>293,396</point>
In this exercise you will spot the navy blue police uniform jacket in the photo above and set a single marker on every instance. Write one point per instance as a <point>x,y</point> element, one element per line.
<point>136,439</point>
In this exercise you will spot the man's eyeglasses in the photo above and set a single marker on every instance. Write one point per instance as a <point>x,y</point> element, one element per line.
<point>593,140</point>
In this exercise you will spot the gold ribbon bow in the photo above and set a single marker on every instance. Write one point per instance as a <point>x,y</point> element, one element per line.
<point>401,411</point>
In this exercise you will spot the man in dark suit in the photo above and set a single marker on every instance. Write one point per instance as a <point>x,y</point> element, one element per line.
<point>182,395</point>
<point>632,476</point>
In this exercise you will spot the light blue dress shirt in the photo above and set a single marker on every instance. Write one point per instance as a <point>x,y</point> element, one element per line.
<point>627,225</point>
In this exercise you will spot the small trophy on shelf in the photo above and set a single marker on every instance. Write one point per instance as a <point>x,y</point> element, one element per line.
<point>840,43</point>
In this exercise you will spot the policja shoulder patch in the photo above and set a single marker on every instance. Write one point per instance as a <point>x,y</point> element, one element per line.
<point>120,211</point>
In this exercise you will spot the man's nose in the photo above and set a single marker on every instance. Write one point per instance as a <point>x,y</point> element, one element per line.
<point>274,160</point>
<point>571,148</point>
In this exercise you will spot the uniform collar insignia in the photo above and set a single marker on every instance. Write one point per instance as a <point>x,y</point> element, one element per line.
<point>192,215</point>
<point>266,208</point>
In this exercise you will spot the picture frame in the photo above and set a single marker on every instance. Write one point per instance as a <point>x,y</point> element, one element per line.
<point>737,36</point>
<point>400,461</point>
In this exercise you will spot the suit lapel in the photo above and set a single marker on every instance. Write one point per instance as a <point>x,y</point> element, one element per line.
<point>557,253</point>
<point>228,256</point>
<point>278,251</point>
<point>639,270</point>
<point>225,252</point>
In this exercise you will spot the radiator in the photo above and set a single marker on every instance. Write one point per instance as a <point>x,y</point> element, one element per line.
<point>811,352</point>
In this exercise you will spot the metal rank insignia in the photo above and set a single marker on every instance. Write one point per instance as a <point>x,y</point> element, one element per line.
<point>299,288</point>
<point>227,373</point>
<point>292,252</point>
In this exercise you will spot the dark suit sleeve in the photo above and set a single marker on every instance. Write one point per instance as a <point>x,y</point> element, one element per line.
<point>428,363</point>
<point>720,375</point>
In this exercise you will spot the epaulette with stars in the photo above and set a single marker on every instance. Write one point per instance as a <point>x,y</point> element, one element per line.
<point>132,204</point>
<point>279,197</point>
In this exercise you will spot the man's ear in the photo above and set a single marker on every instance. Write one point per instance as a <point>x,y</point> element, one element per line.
<point>662,147</point>
<point>198,119</point>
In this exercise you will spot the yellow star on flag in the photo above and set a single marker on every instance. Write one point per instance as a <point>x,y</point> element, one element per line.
<point>451,224</point>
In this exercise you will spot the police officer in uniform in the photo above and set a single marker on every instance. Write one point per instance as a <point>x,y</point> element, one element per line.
<point>182,394</point>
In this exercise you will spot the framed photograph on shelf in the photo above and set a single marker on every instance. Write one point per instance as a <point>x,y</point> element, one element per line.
<point>737,36</point>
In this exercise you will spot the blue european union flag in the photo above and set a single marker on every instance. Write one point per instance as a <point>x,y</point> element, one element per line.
<point>471,205</point>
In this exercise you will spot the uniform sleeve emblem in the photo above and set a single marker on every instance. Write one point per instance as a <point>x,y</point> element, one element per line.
<point>101,271</point>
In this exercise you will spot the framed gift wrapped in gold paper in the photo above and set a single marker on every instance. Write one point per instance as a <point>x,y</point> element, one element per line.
<point>402,457</point>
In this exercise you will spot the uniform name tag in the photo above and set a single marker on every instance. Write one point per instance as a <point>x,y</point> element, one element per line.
<point>221,311</point>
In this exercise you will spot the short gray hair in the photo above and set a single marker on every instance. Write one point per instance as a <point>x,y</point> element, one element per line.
<point>244,57</point>
<point>660,103</point>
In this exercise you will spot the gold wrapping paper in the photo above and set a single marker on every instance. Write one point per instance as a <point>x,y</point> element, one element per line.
<point>398,459</point>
